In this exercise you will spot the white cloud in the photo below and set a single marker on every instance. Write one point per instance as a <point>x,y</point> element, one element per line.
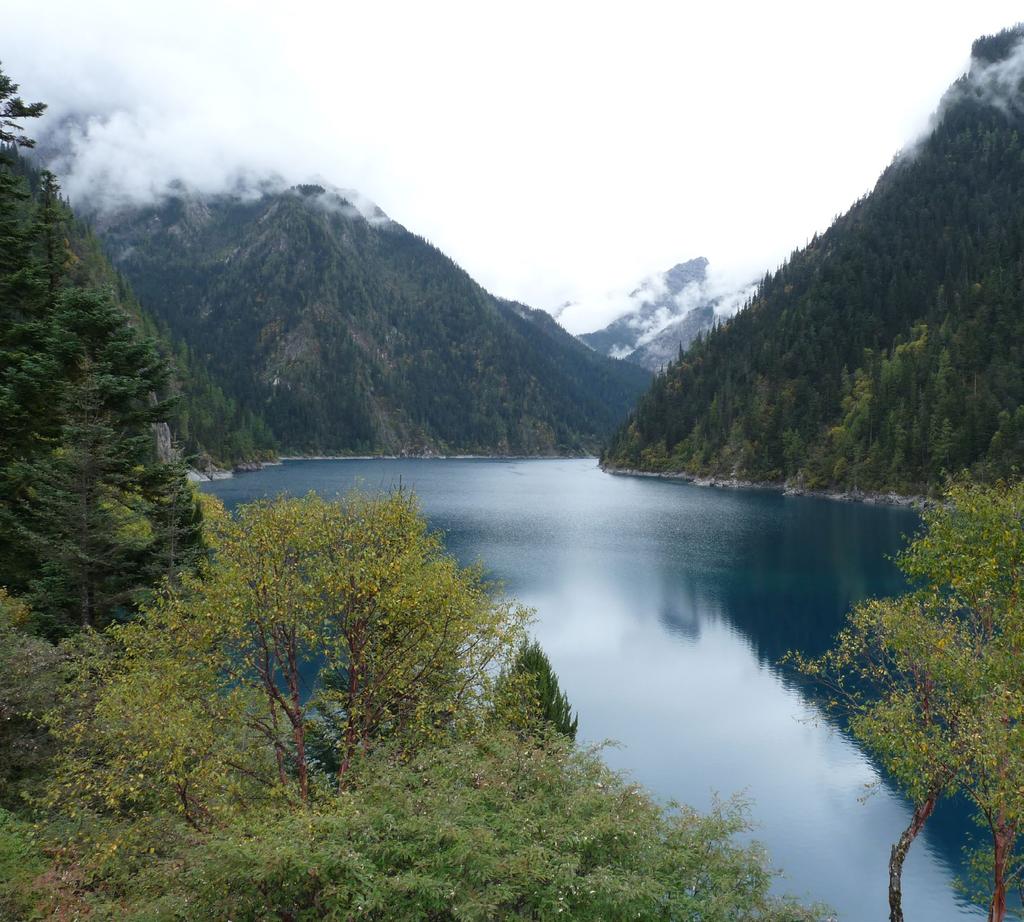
<point>556,151</point>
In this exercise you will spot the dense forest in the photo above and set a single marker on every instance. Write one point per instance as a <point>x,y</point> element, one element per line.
<point>91,516</point>
<point>347,333</point>
<point>205,422</point>
<point>888,352</point>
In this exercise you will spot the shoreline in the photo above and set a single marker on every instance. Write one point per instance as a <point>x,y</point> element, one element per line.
<point>435,457</point>
<point>868,497</point>
<point>211,474</point>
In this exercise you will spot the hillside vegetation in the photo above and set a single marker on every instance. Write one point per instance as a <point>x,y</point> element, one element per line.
<point>347,333</point>
<point>888,352</point>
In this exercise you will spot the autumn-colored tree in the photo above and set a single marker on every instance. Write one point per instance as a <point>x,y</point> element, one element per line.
<point>210,697</point>
<point>933,681</point>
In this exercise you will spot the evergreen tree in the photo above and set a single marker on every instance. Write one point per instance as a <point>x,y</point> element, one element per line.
<point>13,109</point>
<point>532,675</point>
<point>86,516</point>
<point>90,517</point>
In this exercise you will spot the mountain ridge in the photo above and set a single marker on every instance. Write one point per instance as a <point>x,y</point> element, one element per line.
<point>885,355</point>
<point>350,334</point>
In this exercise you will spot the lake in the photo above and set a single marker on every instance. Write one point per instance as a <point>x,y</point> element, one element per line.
<point>665,608</point>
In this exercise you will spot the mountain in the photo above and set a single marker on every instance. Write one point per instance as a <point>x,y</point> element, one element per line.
<point>664,346</point>
<point>888,353</point>
<point>657,303</point>
<point>207,424</point>
<point>348,333</point>
<point>667,313</point>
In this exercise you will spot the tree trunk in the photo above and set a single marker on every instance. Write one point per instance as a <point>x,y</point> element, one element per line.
<point>299,735</point>
<point>86,605</point>
<point>1002,845</point>
<point>351,735</point>
<point>899,851</point>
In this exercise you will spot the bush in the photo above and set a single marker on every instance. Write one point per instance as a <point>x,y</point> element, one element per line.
<point>492,829</point>
<point>21,862</point>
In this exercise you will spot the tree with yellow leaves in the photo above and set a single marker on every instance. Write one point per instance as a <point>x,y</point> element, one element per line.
<point>933,681</point>
<point>345,617</point>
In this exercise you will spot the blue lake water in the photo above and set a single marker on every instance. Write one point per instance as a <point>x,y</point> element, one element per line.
<point>665,608</point>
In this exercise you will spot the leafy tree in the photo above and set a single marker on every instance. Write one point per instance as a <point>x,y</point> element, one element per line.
<point>297,589</point>
<point>186,790</point>
<point>932,682</point>
<point>149,739</point>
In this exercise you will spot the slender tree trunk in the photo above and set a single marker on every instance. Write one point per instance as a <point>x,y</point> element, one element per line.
<point>288,657</point>
<point>351,733</point>
<point>899,851</point>
<point>1002,846</point>
<point>299,735</point>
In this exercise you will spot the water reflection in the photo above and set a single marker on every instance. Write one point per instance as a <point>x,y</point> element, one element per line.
<point>665,609</point>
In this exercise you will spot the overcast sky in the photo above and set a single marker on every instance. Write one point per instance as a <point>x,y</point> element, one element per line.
<point>557,151</point>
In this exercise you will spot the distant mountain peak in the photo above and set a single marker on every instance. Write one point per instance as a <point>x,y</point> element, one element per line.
<point>347,202</point>
<point>686,273</point>
<point>665,314</point>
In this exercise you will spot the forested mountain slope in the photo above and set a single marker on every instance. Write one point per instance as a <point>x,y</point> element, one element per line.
<point>347,333</point>
<point>887,353</point>
<point>205,422</point>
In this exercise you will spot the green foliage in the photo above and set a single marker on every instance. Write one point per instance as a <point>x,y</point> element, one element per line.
<point>13,109</point>
<point>932,681</point>
<point>884,355</point>
<point>487,829</point>
<point>85,512</point>
<point>183,787</point>
<point>28,688</point>
<point>290,713</point>
<point>353,335</point>
<point>532,686</point>
<point>21,862</point>
<point>204,420</point>
<point>205,704</point>
<point>90,517</point>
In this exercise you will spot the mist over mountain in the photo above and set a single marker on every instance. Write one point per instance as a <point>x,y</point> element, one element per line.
<point>666,313</point>
<point>347,333</point>
<point>888,353</point>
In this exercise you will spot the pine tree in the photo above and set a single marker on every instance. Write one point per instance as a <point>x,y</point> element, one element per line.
<point>550,702</point>
<point>90,517</point>
<point>30,357</point>
<point>13,109</point>
<point>103,516</point>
